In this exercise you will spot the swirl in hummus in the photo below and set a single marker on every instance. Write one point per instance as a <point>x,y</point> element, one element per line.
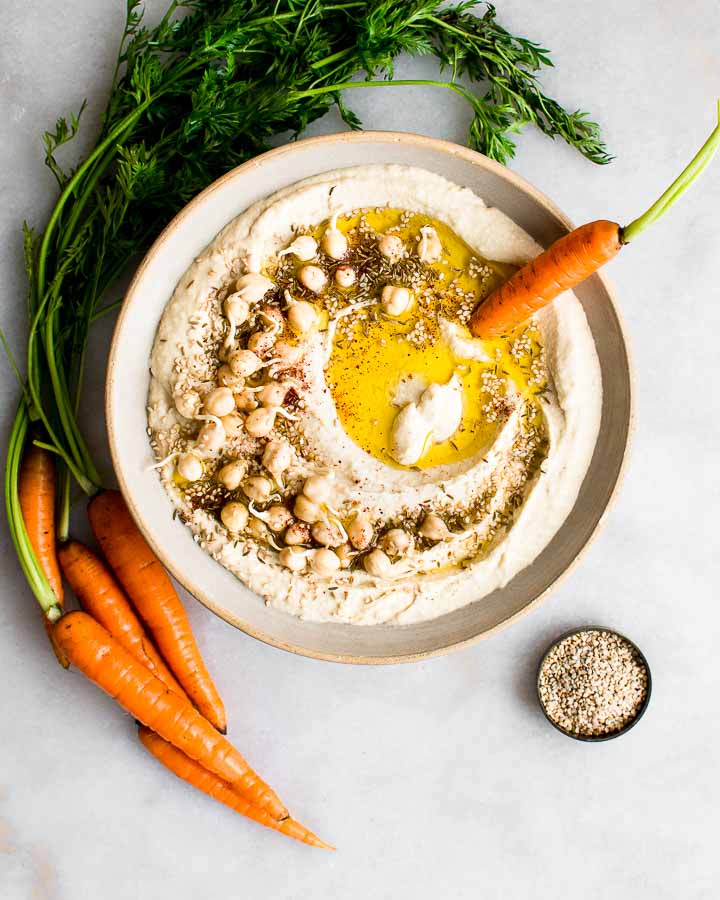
<point>327,427</point>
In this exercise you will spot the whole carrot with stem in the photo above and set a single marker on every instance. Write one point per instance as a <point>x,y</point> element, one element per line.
<point>93,650</point>
<point>193,773</point>
<point>102,597</point>
<point>576,256</point>
<point>36,495</point>
<point>150,590</point>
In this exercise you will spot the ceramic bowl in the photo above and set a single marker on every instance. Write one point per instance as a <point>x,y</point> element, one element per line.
<point>594,738</point>
<point>127,385</point>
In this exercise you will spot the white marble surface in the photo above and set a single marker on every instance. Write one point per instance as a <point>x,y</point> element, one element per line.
<point>440,779</point>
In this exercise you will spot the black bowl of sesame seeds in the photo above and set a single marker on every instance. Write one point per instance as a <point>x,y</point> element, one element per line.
<point>593,684</point>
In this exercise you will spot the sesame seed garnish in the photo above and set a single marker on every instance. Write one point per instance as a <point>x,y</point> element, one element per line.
<point>593,683</point>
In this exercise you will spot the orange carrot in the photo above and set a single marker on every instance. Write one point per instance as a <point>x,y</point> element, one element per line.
<point>567,262</point>
<point>102,597</point>
<point>93,650</point>
<point>151,592</point>
<point>193,773</point>
<point>575,257</point>
<point>36,493</point>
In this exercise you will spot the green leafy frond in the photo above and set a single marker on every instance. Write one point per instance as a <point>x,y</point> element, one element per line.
<point>347,115</point>
<point>65,131</point>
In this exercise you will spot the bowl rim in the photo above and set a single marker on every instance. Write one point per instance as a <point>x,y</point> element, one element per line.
<point>410,138</point>
<point>594,738</point>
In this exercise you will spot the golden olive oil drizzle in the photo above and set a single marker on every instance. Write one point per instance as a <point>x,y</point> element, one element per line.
<point>373,354</point>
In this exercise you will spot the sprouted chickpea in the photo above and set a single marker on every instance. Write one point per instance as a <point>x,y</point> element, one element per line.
<point>189,467</point>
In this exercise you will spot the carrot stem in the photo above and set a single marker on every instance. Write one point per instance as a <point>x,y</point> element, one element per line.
<point>688,175</point>
<point>63,512</point>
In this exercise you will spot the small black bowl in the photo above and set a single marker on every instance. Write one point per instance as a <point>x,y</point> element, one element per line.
<point>594,738</point>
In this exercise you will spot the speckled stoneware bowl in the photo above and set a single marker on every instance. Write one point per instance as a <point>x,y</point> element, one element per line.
<point>127,386</point>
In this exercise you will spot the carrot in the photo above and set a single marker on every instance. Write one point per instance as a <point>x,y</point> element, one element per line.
<point>59,654</point>
<point>36,489</point>
<point>151,592</point>
<point>93,650</point>
<point>102,597</point>
<point>207,782</point>
<point>575,257</point>
<point>567,262</point>
<point>36,493</point>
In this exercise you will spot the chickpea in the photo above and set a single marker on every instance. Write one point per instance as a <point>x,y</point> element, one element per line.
<point>360,532</point>
<point>395,300</point>
<point>253,287</point>
<point>396,542</point>
<point>334,243</point>
<point>244,362</point>
<point>245,400</point>
<point>345,554</point>
<point>313,278</point>
<point>272,394</point>
<point>293,558</point>
<point>287,354</point>
<point>227,378</point>
<point>261,342</point>
<point>219,402</point>
<point>297,533</point>
<point>302,316</point>
<point>433,528</point>
<point>345,276</point>
<point>231,474</point>
<point>377,563</point>
<point>303,247</point>
<point>324,563</point>
<point>306,510</point>
<point>188,404</point>
<point>257,488</point>
<point>391,247</point>
<point>429,246</point>
<point>260,422</point>
<point>278,518</point>
<point>234,516</point>
<point>317,488</point>
<point>327,534</point>
<point>276,457</point>
<point>236,308</point>
<point>189,467</point>
<point>211,437</point>
<point>233,424</point>
<point>257,529</point>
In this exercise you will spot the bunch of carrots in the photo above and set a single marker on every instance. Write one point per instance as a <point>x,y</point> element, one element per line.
<point>133,639</point>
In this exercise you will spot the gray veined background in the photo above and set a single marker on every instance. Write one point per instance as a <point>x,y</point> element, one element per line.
<point>439,779</point>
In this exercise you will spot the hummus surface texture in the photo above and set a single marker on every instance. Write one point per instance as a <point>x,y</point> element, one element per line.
<point>326,425</point>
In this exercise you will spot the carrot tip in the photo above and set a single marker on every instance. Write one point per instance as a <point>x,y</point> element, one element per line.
<point>315,841</point>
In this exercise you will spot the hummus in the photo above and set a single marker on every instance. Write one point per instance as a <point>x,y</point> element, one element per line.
<point>326,425</point>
